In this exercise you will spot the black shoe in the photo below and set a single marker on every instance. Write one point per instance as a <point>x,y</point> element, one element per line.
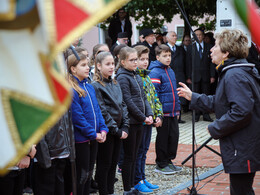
<point>207,118</point>
<point>181,121</point>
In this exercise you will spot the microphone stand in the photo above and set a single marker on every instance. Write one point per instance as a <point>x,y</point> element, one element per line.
<point>193,190</point>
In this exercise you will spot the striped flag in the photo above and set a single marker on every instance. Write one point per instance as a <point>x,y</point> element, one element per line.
<point>33,92</point>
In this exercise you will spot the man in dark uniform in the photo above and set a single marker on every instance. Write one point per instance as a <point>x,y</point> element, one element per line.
<point>177,63</point>
<point>204,70</point>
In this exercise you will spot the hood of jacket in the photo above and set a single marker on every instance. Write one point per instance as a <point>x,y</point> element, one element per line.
<point>157,64</point>
<point>242,63</point>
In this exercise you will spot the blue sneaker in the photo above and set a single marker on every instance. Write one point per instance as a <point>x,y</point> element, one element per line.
<point>151,186</point>
<point>141,187</point>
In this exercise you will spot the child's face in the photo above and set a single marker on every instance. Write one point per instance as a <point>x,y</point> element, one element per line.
<point>143,61</point>
<point>164,58</point>
<point>106,67</point>
<point>81,71</point>
<point>131,62</point>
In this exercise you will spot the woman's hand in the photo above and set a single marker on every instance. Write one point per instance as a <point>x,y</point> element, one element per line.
<point>124,135</point>
<point>184,91</point>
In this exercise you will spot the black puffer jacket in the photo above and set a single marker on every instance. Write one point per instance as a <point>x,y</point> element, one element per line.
<point>132,88</point>
<point>237,108</point>
<point>113,108</point>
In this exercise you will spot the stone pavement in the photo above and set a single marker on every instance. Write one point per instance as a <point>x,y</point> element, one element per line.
<point>204,158</point>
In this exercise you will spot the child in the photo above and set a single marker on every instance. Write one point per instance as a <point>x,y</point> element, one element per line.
<point>167,137</point>
<point>142,63</point>
<point>87,120</point>
<point>139,112</point>
<point>115,113</point>
<point>96,50</point>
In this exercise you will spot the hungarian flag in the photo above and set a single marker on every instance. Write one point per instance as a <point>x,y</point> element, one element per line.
<point>33,92</point>
<point>249,13</point>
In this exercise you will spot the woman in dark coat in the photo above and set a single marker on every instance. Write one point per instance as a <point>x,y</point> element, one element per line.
<point>237,108</point>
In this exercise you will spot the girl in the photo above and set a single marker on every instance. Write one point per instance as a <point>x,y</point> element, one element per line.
<point>115,113</point>
<point>89,125</point>
<point>96,50</point>
<point>139,112</point>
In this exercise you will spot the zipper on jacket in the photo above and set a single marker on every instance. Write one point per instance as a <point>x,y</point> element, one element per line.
<point>92,107</point>
<point>140,93</point>
<point>235,153</point>
<point>172,92</point>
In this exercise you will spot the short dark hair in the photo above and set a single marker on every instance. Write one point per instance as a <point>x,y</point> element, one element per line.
<point>162,48</point>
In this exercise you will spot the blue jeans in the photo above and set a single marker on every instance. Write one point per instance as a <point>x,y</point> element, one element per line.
<point>142,151</point>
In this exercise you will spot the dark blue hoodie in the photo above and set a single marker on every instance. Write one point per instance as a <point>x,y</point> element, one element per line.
<point>164,80</point>
<point>86,115</point>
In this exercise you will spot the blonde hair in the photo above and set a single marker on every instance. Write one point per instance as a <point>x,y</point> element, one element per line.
<point>234,42</point>
<point>99,59</point>
<point>73,62</point>
<point>123,55</point>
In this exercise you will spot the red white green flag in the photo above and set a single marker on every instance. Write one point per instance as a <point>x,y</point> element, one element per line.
<point>33,91</point>
<point>249,13</point>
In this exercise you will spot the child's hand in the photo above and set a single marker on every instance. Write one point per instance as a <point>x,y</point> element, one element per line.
<point>148,120</point>
<point>124,135</point>
<point>32,151</point>
<point>24,163</point>
<point>158,122</point>
<point>99,137</point>
<point>104,136</point>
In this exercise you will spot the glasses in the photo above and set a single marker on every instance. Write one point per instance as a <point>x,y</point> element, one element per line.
<point>133,60</point>
<point>125,40</point>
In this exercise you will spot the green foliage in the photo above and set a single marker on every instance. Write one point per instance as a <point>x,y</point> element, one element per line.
<point>153,13</point>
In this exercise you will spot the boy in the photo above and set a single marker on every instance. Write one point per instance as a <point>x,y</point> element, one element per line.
<point>142,185</point>
<point>167,137</point>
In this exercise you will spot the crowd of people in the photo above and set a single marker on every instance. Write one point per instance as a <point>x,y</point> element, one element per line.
<point>121,92</point>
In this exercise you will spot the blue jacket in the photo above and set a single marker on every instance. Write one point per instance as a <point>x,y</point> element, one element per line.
<point>164,81</point>
<point>86,115</point>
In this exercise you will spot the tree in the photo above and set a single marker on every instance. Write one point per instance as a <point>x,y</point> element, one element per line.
<point>153,13</point>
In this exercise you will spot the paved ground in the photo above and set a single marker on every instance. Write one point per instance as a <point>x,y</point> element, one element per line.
<point>204,158</point>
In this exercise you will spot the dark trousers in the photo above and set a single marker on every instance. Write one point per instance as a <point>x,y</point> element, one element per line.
<point>13,183</point>
<point>107,158</point>
<point>167,141</point>
<point>141,155</point>
<point>202,87</point>
<point>242,184</point>
<point>131,145</point>
<point>50,180</point>
<point>86,154</point>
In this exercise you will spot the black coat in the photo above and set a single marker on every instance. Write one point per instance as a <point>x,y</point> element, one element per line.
<point>113,108</point>
<point>58,142</point>
<point>115,28</point>
<point>152,56</point>
<point>132,88</point>
<point>178,64</point>
<point>204,69</point>
<point>253,57</point>
<point>237,108</point>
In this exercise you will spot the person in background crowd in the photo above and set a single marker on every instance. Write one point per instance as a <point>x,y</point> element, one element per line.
<point>237,108</point>
<point>121,39</point>
<point>120,23</point>
<point>200,69</point>
<point>150,42</point>
<point>186,41</point>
